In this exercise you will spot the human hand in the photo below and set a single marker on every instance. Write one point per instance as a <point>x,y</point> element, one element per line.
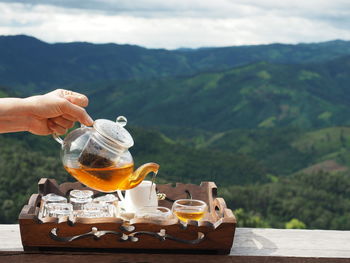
<point>56,111</point>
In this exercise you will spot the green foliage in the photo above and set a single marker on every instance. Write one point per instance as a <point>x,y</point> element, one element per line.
<point>272,147</point>
<point>295,223</point>
<point>308,75</point>
<point>268,123</point>
<point>21,169</point>
<point>191,165</point>
<point>6,92</point>
<point>318,200</point>
<point>264,74</point>
<point>249,219</point>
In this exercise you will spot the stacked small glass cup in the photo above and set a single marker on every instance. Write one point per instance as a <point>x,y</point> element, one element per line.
<point>81,204</point>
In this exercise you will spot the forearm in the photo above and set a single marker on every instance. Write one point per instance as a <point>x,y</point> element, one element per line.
<point>14,115</point>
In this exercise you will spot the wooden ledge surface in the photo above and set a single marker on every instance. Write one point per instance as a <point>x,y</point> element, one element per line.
<point>250,245</point>
<point>291,243</point>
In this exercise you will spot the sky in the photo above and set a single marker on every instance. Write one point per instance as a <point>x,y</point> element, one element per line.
<point>175,24</point>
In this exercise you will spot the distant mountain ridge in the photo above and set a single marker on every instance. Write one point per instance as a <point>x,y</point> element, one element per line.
<point>35,66</point>
<point>261,95</point>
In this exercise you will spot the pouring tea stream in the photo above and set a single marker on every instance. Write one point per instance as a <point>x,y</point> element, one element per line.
<point>99,156</point>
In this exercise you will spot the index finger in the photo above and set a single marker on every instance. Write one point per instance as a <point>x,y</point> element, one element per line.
<point>75,97</point>
<point>78,99</point>
<point>76,112</point>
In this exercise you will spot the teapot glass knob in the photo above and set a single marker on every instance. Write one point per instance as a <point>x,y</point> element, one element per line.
<point>121,120</point>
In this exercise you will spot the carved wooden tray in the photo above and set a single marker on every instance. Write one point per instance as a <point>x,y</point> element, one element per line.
<point>213,234</point>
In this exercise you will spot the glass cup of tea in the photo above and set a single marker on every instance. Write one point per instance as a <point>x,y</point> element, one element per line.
<point>189,209</point>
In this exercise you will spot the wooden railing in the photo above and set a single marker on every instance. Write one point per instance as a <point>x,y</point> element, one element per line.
<point>250,245</point>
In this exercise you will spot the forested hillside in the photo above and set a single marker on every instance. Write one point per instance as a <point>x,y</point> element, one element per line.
<point>269,124</point>
<point>261,95</point>
<point>32,65</point>
<point>317,201</point>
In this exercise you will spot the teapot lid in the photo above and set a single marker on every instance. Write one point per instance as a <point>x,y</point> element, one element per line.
<point>115,131</point>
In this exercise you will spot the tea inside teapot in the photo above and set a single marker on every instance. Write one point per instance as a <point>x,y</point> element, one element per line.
<point>107,179</point>
<point>98,157</point>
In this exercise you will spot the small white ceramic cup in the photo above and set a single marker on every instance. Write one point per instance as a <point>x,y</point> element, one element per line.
<point>141,196</point>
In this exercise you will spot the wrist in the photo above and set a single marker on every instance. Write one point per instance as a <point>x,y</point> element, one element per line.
<point>28,105</point>
<point>28,111</point>
<point>13,115</point>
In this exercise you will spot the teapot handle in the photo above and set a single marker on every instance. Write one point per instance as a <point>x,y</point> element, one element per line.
<point>59,139</point>
<point>120,195</point>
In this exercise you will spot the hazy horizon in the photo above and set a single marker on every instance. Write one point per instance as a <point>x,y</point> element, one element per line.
<point>178,23</point>
<point>179,48</point>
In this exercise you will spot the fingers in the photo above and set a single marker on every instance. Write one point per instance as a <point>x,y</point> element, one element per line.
<point>80,100</point>
<point>63,122</point>
<point>60,125</point>
<point>71,108</point>
<point>74,97</point>
<point>55,128</point>
<point>75,113</point>
<point>68,117</point>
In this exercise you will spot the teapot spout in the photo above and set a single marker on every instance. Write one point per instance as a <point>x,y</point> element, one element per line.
<point>141,172</point>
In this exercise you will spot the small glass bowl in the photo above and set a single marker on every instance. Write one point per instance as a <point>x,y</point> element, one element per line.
<point>79,198</point>
<point>53,198</point>
<point>108,198</point>
<point>59,209</point>
<point>50,198</point>
<point>93,210</point>
<point>81,194</point>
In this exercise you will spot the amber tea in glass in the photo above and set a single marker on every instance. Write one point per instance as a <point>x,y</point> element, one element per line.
<point>104,179</point>
<point>189,209</point>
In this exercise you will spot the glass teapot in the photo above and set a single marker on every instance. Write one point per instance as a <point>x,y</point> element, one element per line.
<point>98,156</point>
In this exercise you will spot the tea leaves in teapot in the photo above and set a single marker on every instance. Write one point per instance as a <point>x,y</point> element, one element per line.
<point>94,161</point>
<point>94,156</point>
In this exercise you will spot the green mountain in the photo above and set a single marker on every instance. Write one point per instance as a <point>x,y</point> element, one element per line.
<point>288,150</point>
<point>269,124</point>
<point>35,66</point>
<point>261,95</point>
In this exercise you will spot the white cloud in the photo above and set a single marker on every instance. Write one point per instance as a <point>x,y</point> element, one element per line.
<point>149,8</point>
<point>201,8</point>
<point>180,23</point>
